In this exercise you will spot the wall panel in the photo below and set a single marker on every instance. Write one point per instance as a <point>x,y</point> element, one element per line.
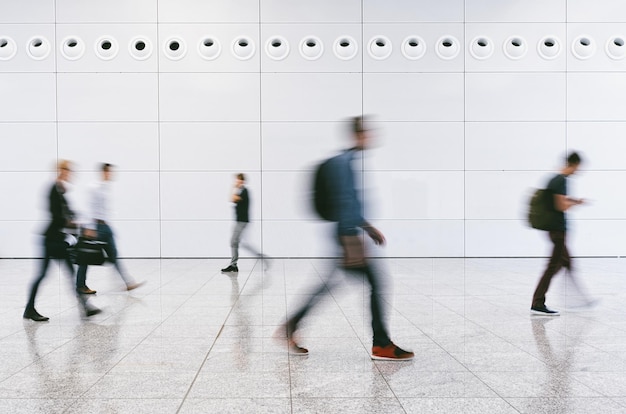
<point>515,10</point>
<point>27,97</point>
<point>474,103</point>
<point>209,97</point>
<point>506,146</point>
<point>107,97</point>
<point>310,96</point>
<point>414,97</point>
<point>413,11</point>
<point>320,11</point>
<point>214,146</point>
<point>130,146</point>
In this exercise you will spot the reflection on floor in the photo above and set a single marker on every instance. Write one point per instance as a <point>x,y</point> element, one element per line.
<point>193,340</point>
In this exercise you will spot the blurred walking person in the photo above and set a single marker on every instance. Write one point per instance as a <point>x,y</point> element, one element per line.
<point>241,199</point>
<point>57,242</point>
<point>100,229</point>
<point>344,199</point>
<point>559,203</point>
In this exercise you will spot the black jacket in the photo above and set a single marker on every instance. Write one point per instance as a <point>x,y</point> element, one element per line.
<point>60,213</point>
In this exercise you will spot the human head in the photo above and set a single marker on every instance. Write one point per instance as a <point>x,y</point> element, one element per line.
<point>64,168</point>
<point>359,130</point>
<point>106,168</point>
<point>241,179</point>
<point>572,163</point>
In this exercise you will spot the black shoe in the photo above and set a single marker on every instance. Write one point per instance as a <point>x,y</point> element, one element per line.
<point>542,310</point>
<point>85,290</point>
<point>92,312</point>
<point>34,315</point>
<point>230,269</point>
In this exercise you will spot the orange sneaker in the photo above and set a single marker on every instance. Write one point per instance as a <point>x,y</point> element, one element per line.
<point>391,352</point>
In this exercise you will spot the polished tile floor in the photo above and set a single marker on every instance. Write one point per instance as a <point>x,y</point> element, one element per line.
<point>193,340</point>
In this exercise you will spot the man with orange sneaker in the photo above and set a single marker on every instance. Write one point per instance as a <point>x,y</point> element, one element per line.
<point>346,201</point>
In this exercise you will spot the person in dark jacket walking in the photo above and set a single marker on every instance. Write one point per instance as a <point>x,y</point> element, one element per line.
<point>56,242</point>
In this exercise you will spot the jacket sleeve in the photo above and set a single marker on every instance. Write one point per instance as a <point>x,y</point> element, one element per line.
<point>57,214</point>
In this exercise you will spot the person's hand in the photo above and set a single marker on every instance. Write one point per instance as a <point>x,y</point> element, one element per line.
<point>90,233</point>
<point>375,234</point>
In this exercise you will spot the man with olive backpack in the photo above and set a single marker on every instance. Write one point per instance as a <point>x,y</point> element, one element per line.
<point>549,214</point>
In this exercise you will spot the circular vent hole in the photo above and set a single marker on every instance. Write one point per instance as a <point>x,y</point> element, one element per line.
<point>482,42</point>
<point>585,42</point>
<point>37,43</point>
<point>277,43</point>
<point>380,43</point>
<point>3,42</point>
<point>414,43</point>
<point>106,45</point>
<point>174,46</point>
<point>618,42</point>
<point>344,43</point>
<point>311,43</point>
<point>447,43</point>
<point>140,45</point>
<point>243,43</point>
<point>516,42</point>
<point>72,43</point>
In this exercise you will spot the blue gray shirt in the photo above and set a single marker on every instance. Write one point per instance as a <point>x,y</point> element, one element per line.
<point>347,196</point>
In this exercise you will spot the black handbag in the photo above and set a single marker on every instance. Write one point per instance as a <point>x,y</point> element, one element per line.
<point>89,252</point>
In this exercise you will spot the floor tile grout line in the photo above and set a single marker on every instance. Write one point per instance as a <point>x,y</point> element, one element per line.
<point>364,295</point>
<point>160,270</point>
<point>481,310</point>
<point>69,340</point>
<point>496,335</point>
<point>77,400</point>
<point>285,325</point>
<point>219,333</point>
<point>468,370</point>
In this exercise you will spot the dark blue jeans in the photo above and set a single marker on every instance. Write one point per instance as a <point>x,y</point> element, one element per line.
<point>105,234</point>
<point>379,328</point>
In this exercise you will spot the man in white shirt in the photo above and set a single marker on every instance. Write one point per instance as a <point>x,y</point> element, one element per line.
<point>100,195</point>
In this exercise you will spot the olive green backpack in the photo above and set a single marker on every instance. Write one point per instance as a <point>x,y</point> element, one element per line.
<point>541,214</point>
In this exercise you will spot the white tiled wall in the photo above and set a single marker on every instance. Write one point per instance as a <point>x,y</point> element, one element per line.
<point>310,96</point>
<point>208,97</point>
<point>527,11</point>
<point>102,97</point>
<point>472,110</point>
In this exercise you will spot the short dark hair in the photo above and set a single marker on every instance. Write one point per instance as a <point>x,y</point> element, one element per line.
<point>573,159</point>
<point>241,177</point>
<point>358,124</point>
<point>105,166</point>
